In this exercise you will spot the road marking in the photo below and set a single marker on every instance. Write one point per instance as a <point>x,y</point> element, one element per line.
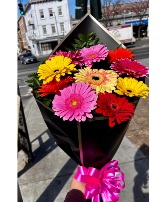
<point>27,95</point>
<point>23,86</point>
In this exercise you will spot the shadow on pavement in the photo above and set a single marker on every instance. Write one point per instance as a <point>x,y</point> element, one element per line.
<point>140,188</point>
<point>54,188</point>
<point>43,150</point>
<point>130,45</point>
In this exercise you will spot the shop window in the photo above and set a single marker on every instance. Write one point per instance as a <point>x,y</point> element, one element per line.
<point>46,46</point>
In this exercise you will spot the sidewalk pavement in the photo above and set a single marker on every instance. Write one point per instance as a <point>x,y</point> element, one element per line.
<point>48,177</point>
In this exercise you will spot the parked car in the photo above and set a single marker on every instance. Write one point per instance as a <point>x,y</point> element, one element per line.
<point>27,58</point>
<point>24,51</point>
<point>19,55</point>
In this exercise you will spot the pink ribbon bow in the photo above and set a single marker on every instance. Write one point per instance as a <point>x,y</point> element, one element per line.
<point>107,182</point>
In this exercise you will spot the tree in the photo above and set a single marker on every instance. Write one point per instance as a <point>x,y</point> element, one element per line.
<point>110,10</point>
<point>140,8</point>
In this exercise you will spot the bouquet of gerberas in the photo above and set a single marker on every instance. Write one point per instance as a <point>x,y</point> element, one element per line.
<point>87,96</point>
<point>77,88</point>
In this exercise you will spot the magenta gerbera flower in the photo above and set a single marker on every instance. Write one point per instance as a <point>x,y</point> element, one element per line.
<point>75,102</point>
<point>74,56</point>
<point>94,54</point>
<point>131,68</point>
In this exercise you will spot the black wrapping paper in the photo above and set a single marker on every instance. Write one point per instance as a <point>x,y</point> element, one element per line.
<point>98,143</point>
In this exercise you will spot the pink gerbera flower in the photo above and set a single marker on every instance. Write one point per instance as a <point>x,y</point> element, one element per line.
<point>74,56</point>
<point>129,67</point>
<point>75,102</point>
<point>94,54</point>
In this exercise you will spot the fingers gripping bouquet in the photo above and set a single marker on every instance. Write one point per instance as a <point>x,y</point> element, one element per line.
<point>87,96</point>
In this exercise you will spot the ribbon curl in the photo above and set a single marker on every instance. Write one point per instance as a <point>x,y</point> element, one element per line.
<point>107,182</point>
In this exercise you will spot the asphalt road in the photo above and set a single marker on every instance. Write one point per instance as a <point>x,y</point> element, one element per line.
<point>141,53</point>
<point>28,68</point>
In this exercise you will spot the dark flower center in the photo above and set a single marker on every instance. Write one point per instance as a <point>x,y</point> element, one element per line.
<point>74,101</point>
<point>95,78</point>
<point>113,106</point>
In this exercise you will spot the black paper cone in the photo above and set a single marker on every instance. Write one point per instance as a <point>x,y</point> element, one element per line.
<point>90,143</point>
<point>99,141</point>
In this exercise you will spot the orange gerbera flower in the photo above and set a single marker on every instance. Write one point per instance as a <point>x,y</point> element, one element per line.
<point>118,54</point>
<point>53,86</point>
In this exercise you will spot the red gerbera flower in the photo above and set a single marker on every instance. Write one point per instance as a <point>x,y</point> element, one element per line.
<point>53,86</point>
<point>118,54</point>
<point>117,109</point>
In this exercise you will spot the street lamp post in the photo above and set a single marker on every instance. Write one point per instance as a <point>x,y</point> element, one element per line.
<point>124,15</point>
<point>58,36</point>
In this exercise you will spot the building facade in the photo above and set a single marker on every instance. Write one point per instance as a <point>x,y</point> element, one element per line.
<point>47,22</point>
<point>21,34</point>
<point>135,13</point>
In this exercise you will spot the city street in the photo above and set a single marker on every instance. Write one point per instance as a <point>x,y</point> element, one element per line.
<point>47,157</point>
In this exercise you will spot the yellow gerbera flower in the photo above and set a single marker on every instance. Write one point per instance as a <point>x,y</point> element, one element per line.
<point>55,68</point>
<point>131,87</point>
<point>101,80</point>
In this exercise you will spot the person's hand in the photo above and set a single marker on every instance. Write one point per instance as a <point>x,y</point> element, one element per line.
<point>78,185</point>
